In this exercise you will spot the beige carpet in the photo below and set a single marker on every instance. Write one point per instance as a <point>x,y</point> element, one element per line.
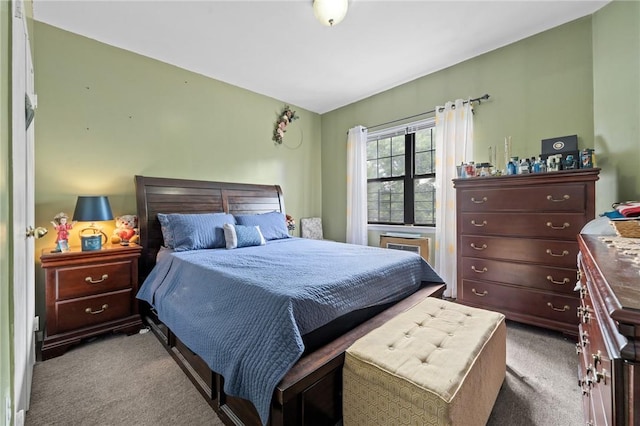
<point>119,380</point>
<point>116,380</point>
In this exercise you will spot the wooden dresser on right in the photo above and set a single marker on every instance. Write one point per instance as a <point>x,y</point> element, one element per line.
<point>517,247</point>
<point>609,332</point>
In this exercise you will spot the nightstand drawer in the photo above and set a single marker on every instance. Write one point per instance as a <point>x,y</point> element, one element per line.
<point>78,313</point>
<point>80,281</point>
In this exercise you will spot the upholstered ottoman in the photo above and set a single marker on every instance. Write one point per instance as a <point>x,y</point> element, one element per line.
<point>438,363</point>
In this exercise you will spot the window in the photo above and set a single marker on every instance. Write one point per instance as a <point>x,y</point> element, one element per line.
<point>401,175</point>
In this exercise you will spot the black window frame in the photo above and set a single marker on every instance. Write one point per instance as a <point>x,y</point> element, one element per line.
<point>409,179</point>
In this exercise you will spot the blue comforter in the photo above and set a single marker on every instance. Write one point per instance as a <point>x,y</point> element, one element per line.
<point>244,310</point>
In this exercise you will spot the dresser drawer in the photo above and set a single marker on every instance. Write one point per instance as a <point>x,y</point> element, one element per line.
<point>546,252</point>
<point>77,313</point>
<point>541,225</point>
<point>521,274</point>
<point>91,279</point>
<point>525,302</point>
<point>598,368</point>
<point>547,198</point>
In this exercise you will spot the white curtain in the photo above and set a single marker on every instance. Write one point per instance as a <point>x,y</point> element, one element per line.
<point>357,186</point>
<point>454,144</point>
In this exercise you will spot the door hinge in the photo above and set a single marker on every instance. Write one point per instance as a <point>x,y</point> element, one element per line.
<point>17,10</point>
<point>36,323</point>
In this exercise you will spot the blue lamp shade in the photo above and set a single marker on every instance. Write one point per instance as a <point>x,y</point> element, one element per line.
<point>92,209</point>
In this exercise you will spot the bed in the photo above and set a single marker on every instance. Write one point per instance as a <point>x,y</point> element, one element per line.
<point>304,328</point>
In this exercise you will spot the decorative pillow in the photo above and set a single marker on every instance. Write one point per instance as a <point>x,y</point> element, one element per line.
<point>183,232</point>
<point>237,236</point>
<point>273,225</point>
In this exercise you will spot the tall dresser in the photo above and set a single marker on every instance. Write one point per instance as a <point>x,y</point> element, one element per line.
<point>517,246</point>
<point>609,342</point>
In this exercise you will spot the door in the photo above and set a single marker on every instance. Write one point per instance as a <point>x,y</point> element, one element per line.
<point>22,160</point>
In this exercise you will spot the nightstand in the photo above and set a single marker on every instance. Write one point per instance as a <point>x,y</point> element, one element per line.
<point>89,293</point>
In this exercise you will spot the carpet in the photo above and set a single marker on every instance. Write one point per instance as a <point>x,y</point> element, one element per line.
<point>132,380</point>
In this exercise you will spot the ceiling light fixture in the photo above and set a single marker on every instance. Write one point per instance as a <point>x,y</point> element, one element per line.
<point>330,12</point>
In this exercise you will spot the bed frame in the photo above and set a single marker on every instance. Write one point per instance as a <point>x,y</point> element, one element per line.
<point>311,392</point>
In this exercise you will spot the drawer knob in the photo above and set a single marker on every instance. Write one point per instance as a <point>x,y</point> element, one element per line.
<point>480,248</point>
<point>90,280</point>
<point>551,253</point>
<point>555,200</point>
<point>601,376</point>
<point>597,358</point>
<point>563,226</point>
<point>484,223</point>
<point>99,311</point>
<point>584,338</point>
<point>483,294</point>
<point>563,282</point>
<point>563,309</point>
<point>578,352</point>
<point>483,200</point>
<point>479,271</point>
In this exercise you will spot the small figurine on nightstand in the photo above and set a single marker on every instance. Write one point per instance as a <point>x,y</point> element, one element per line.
<point>291,223</point>
<point>62,227</point>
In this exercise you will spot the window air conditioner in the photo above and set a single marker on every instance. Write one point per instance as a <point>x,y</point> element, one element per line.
<point>413,242</point>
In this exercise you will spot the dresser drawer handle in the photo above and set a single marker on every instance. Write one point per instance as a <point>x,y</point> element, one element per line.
<point>563,282</point>
<point>475,247</point>
<point>482,271</point>
<point>473,222</point>
<point>564,198</point>
<point>552,226</point>
<point>563,254</point>
<point>483,294</point>
<point>597,358</point>
<point>484,200</point>
<point>92,281</point>
<point>563,309</point>
<point>92,312</point>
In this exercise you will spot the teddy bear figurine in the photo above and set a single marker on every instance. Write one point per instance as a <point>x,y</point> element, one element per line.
<point>126,230</point>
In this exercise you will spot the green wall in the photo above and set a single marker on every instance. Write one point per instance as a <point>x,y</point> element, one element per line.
<point>6,305</point>
<point>540,87</point>
<point>616,93</point>
<point>105,115</point>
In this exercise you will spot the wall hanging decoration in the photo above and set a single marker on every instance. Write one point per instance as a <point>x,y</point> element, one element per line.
<point>280,127</point>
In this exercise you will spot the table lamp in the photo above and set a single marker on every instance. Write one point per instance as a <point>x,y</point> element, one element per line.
<point>92,209</point>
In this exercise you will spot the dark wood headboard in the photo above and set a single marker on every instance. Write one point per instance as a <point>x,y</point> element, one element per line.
<point>166,195</point>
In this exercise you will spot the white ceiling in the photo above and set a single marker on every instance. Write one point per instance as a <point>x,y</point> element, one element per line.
<point>278,49</point>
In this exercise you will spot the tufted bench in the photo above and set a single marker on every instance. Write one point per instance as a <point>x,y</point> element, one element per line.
<point>438,363</point>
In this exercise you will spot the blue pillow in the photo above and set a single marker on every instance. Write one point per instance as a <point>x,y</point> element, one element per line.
<point>167,232</point>
<point>183,232</point>
<point>273,225</point>
<point>237,236</point>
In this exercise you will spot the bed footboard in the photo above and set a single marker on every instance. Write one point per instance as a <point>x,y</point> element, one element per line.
<point>309,394</point>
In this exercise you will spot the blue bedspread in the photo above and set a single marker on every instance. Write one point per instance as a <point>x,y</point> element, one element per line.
<point>244,310</point>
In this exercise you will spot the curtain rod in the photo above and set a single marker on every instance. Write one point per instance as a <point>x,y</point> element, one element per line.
<point>479,100</point>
